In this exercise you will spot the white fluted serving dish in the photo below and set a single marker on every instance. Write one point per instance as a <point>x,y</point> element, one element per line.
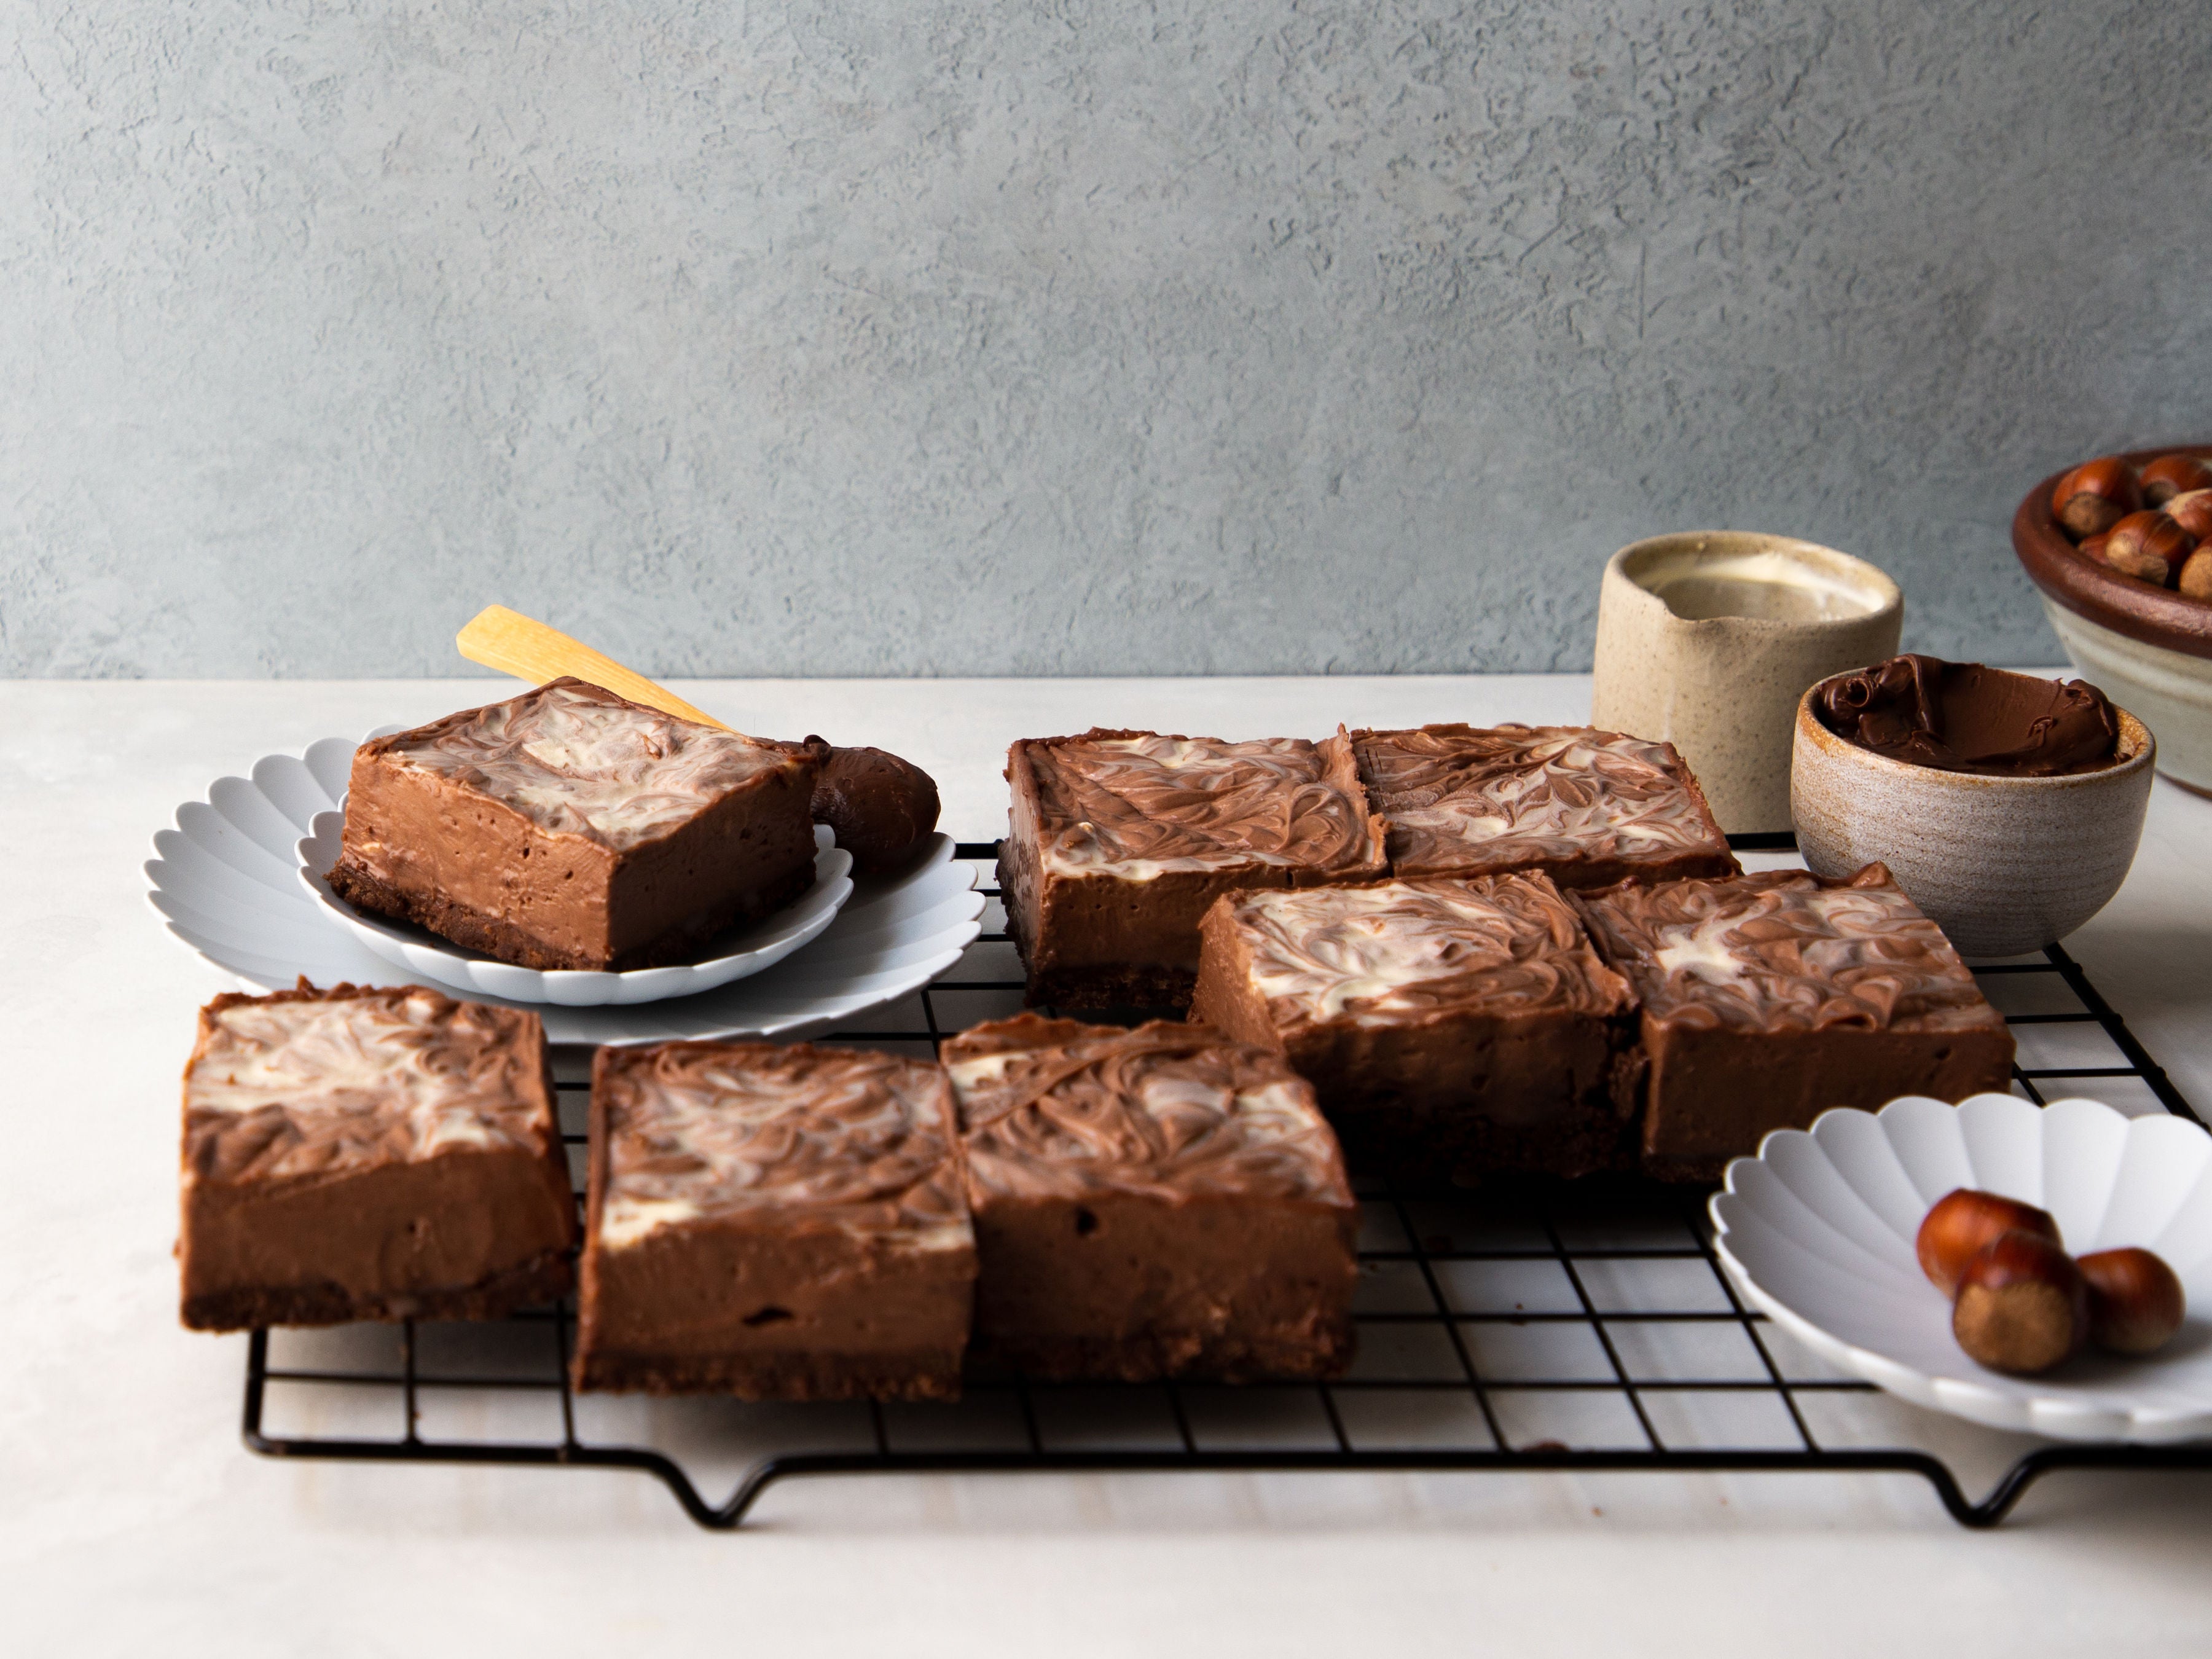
<point>1817,1232</point>
<point>226,878</point>
<point>426,956</point>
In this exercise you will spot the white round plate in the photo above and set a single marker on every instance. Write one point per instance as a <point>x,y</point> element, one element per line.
<point>1817,1231</point>
<point>425,955</point>
<point>226,880</point>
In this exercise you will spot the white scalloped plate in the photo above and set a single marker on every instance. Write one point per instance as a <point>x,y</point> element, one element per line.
<point>225,879</point>
<point>1817,1231</point>
<point>761,946</point>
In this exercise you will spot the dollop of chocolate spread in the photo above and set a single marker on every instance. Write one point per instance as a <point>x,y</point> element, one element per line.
<point>1963,717</point>
<point>878,806</point>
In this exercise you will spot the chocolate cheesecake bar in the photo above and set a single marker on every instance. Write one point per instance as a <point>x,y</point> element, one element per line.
<point>1150,1203</point>
<point>369,1154</point>
<point>1118,841</point>
<point>570,828</point>
<point>1768,998</point>
<point>1449,1029</point>
<point>1588,808</point>
<point>775,1224</point>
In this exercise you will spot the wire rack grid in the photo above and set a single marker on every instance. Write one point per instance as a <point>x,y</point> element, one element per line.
<point>1583,1327</point>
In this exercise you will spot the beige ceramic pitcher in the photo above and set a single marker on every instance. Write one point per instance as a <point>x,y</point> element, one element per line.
<point>1707,640</point>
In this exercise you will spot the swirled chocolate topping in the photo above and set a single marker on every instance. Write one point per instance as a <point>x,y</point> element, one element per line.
<point>1056,1107</point>
<point>856,1140</point>
<point>1136,804</point>
<point>878,806</point>
<point>306,1083</point>
<point>578,760</point>
<point>1490,798</point>
<point>1785,950</point>
<point>1400,951</point>
<point>1964,717</point>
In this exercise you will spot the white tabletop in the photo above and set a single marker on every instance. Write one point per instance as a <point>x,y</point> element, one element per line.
<point>133,1521</point>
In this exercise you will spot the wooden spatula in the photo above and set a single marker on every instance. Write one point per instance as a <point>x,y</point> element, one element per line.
<point>514,644</point>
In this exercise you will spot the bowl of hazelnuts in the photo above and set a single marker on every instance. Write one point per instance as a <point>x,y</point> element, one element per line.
<point>2121,547</point>
<point>2046,1269</point>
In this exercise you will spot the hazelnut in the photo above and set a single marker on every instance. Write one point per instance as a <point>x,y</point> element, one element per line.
<point>2135,1303</point>
<point>2023,1305</point>
<point>2149,546</point>
<point>2192,512</point>
<point>2196,579</point>
<point>2173,475</point>
<point>1962,1221</point>
<point>2096,495</point>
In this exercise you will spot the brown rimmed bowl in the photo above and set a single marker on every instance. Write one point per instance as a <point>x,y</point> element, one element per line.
<point>2145,647</point>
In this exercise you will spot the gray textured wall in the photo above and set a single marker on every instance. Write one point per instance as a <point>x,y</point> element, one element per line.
<point>1072,338</point>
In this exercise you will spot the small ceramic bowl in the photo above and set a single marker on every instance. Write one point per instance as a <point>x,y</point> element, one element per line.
<point>2004,866</point>
<point>2147,647</point>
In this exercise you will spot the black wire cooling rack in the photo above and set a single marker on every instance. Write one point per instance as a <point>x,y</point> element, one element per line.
<point>1583,1327</point>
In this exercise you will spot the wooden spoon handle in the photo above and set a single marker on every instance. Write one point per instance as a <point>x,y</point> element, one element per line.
<point>514,644</point>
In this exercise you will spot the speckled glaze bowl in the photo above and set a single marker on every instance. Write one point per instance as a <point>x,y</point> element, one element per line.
<point>1706,639</point>
<point>2143,646</point>
<point>2004,866</point>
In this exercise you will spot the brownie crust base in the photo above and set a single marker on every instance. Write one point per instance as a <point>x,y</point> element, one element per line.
<point>476,930</point>
<point>243,1308</point>
<point>1151,1356</point>
<point>914,1374</point>
<point>1126,985</point>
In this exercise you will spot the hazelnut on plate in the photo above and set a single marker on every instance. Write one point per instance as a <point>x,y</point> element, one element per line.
<point>1961,1223</point>
<point>2023,1306</point>
<point>2136,1303</point>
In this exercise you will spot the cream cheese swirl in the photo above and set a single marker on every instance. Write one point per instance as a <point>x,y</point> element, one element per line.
<point>578,760</point>
<point>1138,805</point>
<point>1402,951</point>
<point>1474,798</point>
<point>852,1139</point>
<point>300,1084</point>
<point>1785,950</point>
<point>1055,1107</point>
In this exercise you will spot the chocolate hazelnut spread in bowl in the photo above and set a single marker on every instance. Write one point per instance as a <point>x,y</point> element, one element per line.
<point>2007,805</point>
<point>1964,717</point>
